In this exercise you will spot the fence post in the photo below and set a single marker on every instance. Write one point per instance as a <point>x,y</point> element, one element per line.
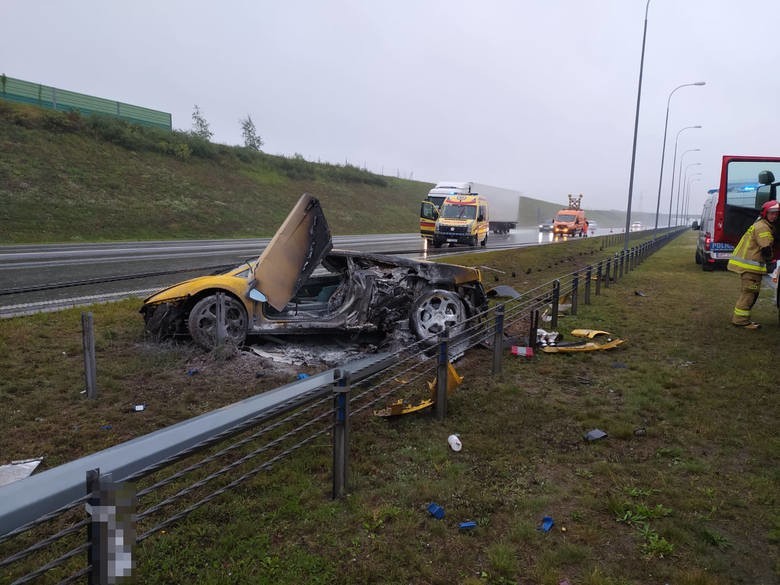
<point>575,286</point>
<point>608,273</point>
<point>599,276</point>
<point>111,531</point>
<point>441,378</point>
<point>588,279</point>
<point>533,331</point>
<point>340,432</point>
<point>617,261</point>
<point>88,342</point>
<point>498,340</point>
<point>556,297</point>
<point>219,328</point>
<point>622,260</point>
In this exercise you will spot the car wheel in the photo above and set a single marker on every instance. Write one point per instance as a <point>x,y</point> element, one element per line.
<point>437,243</point>
<point>698,257</point>
<point>707,266</point>
<point>436,311</point>
<point>202,322</point>
<point>484,242</point>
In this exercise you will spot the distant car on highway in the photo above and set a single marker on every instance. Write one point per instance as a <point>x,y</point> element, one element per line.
<point>300,285</point>
<point>546,226</point>
<point>592,227</point>
<point>637,226</point>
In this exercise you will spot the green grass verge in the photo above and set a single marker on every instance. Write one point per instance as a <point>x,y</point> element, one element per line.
<point>683,490</point>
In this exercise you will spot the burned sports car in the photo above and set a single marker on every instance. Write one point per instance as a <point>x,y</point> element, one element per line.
<point>300,285</point>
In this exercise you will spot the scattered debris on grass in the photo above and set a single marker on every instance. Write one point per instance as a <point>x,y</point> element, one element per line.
<point>594,435</point>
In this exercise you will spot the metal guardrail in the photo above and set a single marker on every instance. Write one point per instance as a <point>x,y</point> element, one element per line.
<point>145,485</point>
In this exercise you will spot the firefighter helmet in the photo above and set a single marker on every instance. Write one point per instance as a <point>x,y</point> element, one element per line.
<point>769,206</point>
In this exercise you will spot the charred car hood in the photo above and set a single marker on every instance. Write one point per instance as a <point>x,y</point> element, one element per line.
<point>294,252</point>
<point>433,272</point>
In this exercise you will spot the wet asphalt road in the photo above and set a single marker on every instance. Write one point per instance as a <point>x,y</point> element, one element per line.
<point>108,271</point>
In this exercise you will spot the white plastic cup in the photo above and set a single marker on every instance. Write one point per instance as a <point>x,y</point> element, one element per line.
<point>454,442</point>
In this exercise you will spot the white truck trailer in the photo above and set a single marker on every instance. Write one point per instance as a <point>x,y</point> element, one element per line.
<point>504,207</point>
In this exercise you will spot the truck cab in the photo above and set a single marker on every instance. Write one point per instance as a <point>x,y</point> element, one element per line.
<point>571,221</point>
<point>463,219</point>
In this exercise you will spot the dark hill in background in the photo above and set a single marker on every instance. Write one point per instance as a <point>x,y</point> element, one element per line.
<point>69,178</point>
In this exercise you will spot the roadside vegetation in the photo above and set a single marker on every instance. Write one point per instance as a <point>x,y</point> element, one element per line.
<point>65,177</point>
<point>683,489</point>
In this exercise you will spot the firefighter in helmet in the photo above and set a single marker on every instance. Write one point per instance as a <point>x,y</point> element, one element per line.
<point>752,259</point>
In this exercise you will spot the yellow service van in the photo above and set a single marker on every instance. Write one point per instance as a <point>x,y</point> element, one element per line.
<point>462,219</point>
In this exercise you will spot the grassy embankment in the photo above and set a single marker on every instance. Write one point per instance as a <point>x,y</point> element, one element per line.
<point>67,178</point>
<point>683,490</point>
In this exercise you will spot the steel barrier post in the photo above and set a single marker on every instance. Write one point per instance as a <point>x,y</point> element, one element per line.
<point>111,530</point>
<point>622,260</point>
<point>556,296</point>
<point>533,331</point>
<point>340,432</point>
<point>608,273</point>
<point>88,343</point>
<point>588,278</point>
<point>498,340</point>
<point>575,286</point>
<point>441,378</point>
<point>219,327</point>
<point>599,276</point>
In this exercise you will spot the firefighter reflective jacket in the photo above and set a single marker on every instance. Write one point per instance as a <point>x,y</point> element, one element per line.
<point>747,255</point>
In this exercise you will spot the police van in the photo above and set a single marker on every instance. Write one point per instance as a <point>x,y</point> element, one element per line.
<point>746,183</point>
<point>711,252</point>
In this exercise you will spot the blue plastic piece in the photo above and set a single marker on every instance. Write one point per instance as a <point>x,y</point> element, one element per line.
<point>547,524</point>
<point>436,511</point>
<point>302,376</point>
<point>470,524</point>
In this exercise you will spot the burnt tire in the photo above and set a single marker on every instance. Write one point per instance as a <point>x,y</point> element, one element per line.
<point>202,321</point>
<point>435,311</point>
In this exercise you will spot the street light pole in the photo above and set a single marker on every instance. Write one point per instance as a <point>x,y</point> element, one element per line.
<point>663,147</point>
<point>636,128</point>
<point>687,200</point>
<point>674,165</point>
<point>677,206</point>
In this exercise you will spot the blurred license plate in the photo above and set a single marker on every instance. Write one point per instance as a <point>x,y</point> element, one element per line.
<point>721,255</point>
<point>452,239</point>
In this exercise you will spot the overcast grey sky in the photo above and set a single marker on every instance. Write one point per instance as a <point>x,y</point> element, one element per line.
<point>538,96</point>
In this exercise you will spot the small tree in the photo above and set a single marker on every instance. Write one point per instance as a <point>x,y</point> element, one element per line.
<point>200,127</point>
<point>251,139</point>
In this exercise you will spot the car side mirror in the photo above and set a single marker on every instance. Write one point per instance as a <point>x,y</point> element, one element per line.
<point>766,177</point>
<point>480,218</point>
<point>256,295</point>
